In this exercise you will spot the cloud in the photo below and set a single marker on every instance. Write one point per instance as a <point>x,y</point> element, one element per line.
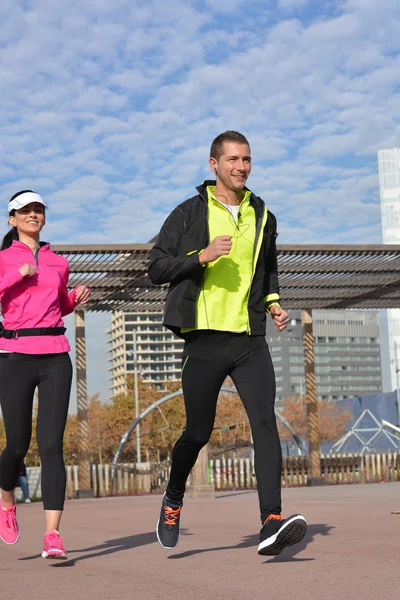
<point>109,109</point>
<point>292,4</point>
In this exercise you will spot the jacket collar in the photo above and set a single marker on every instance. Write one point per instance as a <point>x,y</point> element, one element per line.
<point>256,202</point>
<point>17,245</point>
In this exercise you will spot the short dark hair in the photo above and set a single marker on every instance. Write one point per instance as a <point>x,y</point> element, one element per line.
<point>217,146</point>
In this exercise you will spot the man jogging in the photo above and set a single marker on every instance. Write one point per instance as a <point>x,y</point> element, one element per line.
<point>217,251</point>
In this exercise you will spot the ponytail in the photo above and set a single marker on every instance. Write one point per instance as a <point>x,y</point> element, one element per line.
<point>10,236</point>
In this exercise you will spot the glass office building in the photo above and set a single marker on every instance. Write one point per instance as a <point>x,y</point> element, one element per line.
<point>389,185</point>
<point>347,355</point>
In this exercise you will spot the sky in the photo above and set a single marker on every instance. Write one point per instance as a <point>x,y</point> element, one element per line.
<point>108,110</point>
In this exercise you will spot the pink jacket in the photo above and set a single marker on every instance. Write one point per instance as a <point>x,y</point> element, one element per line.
<point>37,301</point>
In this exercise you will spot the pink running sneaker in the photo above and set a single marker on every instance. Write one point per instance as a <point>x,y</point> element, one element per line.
<point>53,545</point>
<point>9,531</point>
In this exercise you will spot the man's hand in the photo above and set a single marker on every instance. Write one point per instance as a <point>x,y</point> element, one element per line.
<point>220,246</point>
<point>280,317</point>
<point>27,270</point>
<point>82,294</point>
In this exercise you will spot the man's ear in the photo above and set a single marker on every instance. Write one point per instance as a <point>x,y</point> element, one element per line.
<point>213,164</point>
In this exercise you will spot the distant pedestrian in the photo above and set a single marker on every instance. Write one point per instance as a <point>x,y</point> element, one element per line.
<point>34,354</point>
<point>22,482</point>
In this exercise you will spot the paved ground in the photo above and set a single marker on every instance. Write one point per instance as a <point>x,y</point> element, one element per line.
<point>351,551</point>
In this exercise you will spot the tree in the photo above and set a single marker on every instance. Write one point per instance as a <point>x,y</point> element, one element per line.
<point>231,427</point>
<point>71,440</point>
<point>333,419</point>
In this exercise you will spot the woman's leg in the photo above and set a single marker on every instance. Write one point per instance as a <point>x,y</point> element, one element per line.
<point>54,391</point>
<point>17,387</point>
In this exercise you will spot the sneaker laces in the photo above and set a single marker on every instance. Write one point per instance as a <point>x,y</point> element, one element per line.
<point>274,518</point>
<point>56,540</point>
<point>11,519</point>
<point>171,515</point>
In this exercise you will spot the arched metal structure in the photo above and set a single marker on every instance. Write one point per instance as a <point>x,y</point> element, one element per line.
<point>149,409</point>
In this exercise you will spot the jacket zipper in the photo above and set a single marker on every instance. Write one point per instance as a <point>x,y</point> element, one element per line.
<point>207,243</point>
<point>256,254</point>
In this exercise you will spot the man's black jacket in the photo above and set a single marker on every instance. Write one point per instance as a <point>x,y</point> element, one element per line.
<point>174,259</point>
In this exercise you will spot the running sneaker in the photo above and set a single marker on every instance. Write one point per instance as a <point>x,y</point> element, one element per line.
<point>168,523</point>
<point>277,533</point>
<point>9,531</point>
<point>53,545</point>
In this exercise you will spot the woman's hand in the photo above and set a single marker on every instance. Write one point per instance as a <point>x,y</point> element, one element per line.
<point>82,294</point>
<point>27,270</point>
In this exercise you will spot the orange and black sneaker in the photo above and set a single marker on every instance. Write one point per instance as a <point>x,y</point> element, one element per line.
<point>168,523</point>
<point>277,533</point>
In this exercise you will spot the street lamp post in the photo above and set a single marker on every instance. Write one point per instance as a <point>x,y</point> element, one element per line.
<point>136,391</point>
<point>135,374</point>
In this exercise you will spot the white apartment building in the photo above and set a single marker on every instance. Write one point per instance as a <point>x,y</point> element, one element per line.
<point>389,184</point>
<point>158,350</point>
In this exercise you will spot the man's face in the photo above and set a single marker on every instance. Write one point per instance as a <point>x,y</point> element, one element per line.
<point>234,165</point>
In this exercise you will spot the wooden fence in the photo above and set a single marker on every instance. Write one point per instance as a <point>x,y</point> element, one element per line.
<point>238,473</point>
<point>230,473</point>
<point>130,479</point>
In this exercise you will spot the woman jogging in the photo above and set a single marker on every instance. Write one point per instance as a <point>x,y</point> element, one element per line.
<point>34,353</point>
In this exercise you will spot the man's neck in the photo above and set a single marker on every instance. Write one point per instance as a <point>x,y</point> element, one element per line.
<point>226,196</point>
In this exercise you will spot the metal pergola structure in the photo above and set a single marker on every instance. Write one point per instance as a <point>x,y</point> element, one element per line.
<point>311,277</point>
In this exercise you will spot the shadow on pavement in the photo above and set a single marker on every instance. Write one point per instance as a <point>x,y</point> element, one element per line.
<point>289,554</point>
<point>234,493</point>
<point>252,541</point>
<point>143,539</point>
<point>108,547</point>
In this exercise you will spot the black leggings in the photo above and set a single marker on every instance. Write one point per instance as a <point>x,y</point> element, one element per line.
<point>20,374</point>
<point>208,358</point>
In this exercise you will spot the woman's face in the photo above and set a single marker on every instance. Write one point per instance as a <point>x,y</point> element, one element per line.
<point>30,219</point>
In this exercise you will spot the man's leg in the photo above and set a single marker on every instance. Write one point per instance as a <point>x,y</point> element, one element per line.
<point>253,375</point>
<point>205,366</point>
<point>201,386</point>
<point>254,378</point>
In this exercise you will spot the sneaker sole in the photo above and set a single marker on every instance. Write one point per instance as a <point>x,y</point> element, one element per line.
<point>54,556</point>
<point>9,543</point>
<point>291,533</point>
<point>161,544</point>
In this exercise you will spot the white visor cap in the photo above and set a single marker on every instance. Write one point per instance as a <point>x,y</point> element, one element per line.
<point>24,199</point>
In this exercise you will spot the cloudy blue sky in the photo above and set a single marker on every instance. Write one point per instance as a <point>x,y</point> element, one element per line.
<point>108,110</point>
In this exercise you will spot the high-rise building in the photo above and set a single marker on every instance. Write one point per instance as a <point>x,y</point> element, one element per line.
<point>158,350</point>
<point>389,184</point>
<point>347,355</point>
